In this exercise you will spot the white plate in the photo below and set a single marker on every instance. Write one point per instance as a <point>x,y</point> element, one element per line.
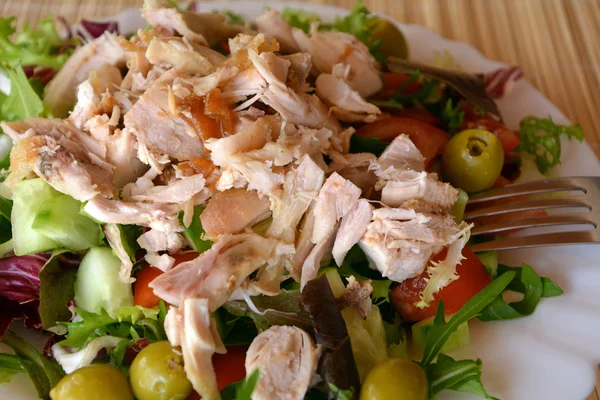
<point>550,355</point>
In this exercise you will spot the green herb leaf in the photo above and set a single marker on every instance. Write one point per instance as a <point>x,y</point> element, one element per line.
<point>299,18</point>
<point>336,393</point>
<point>540,137</point>
<point>241,390</point>
<point>526,281</point>
<point>43,372</point>
<point>22,102</point>
<point>195,232</point>
<point>56,290</point>
<point>10,365</point>
<point>441,330</point>
<point>450,374</point>
<point>452,116</point>
<point>361,144</point>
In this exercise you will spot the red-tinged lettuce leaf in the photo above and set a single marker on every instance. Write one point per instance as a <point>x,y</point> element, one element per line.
<point>337,365</point>
<point>19,277</point>
<point>500,82</point>
<point>12,310</point>
<point>94,29</point>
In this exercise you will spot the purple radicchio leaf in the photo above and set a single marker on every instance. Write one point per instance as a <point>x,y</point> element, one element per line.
<point>499,83</point>
<point>19,277</point>
<point>89,30</point>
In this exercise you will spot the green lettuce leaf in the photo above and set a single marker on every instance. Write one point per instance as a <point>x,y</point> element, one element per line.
<point>452,116</point>
<point>361,144</point>
<point>526,281</point>
<point>10,365</point>
<point>241,390</point>
<point>450,374</point>
<point>56,290</point>
<point>299,18</point>
<point>540,137</point>
<point>22,102</point>
<point>37,47</point>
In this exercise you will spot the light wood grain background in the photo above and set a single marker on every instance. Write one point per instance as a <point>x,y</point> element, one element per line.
<point>557,42</point>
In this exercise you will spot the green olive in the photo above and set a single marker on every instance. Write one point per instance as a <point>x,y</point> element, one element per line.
<point>472,160</point>
<point>393,42</point>
<point>94,382</point>
<point>395,379</point>
<point>157,374</point>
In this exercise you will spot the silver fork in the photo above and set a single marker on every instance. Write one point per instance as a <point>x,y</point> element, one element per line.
<point>589,202</point>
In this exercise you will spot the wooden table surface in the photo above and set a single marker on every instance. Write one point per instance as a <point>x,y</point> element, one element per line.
<point>556,42</point>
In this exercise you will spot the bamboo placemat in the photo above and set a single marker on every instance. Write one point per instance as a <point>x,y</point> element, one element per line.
<point>557,42</point>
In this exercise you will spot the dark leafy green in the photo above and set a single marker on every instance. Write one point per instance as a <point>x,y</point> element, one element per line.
<point>43,372</point>
<point>241,390</point>
<point>360,144</point>
<point>526,281</point>
<point>56,290</point>
<point>460,376</point>
<point>452,116</point>
<point>235,330</point>
<point>10,365</point>
<point>540,137</point>
<point>441,330</point>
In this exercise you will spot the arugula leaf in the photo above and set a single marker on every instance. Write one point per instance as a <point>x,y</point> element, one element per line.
<point>43,372</point>
<point>10,365</point>
<point>29,46</point>
<point>22,102</point>
<point>362,144</point>
<point>450,374</point>
<point>452,116</point>
<point>56,290</point>
<point>540,137</point>
<point>241,390</point>
<point>526,281</point>
<point>234,330</point>
<point>441,330</point>
<point>490,262</point>
<point>336,393</point>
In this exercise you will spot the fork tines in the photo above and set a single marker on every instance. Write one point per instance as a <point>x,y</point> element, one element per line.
<point>516,198</point>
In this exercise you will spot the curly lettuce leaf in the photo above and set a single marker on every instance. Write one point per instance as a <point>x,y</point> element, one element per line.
<point>23,101</point>
<point>540,137</point>
<point>443,273</point>
<point>299,18</point>
<point>38,47</point>
<point>72,361</point>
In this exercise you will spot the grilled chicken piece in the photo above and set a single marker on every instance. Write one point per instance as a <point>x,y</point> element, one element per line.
<point>355,167</point>
<point>330,48</point>
<point>353,226</point>
<point>400,242</point>
<point>400,155</point>
<point>358,295</point>
<point>154,241</point>
<point>272,24</point>
<point>336,198</point>
<point>92,96</point>
<point>313,261</point>
<point>232,211</point>
<point>217,272</point>
<point>130,213</point>
<point>201,85</point>
<point>160,131</point>
<point>121,152</point>
<point>60,93</point>
<point>207,29</point>
<point>287,358</point>
<point>177,191</point>
<point>191,327</point>
<point>345,102</point>
<point>184,55</point>
<point>298,108</point>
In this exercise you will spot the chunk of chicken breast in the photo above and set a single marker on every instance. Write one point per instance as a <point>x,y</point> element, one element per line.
<point>353,227</point>
<point>330,48</point>
<point>60,93</point>
<point>130,213</point>
<point>272,24</point>
<point>286,358</point>
<point>400,155</point>
<point>178,191</point>
<point>191,327</point>
<point>162,133</point>
<point>233,210</point>
<point>216,273</point>
<point>399,242</point>
<point>184,55</point>
<point>355,167</point>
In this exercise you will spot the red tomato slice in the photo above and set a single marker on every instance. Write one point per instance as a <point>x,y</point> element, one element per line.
<point>230,367</point>
<point>393,80</point>
<point>143,295</point>
<point>418,113</point>
<point>429,140</point>
<point>473,278</point>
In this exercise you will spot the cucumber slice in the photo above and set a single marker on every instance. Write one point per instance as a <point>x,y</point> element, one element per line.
<point>457,340</point>
<point>335,281</point>
<point>28,195</point>
<point>195,232</point>
<point>59,219</point>
<point>98,286</point>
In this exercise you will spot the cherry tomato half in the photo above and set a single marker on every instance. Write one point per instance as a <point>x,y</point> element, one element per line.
<point>473,278</point>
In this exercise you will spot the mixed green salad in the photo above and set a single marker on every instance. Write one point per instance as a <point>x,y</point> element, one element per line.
<point>215,208</point>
